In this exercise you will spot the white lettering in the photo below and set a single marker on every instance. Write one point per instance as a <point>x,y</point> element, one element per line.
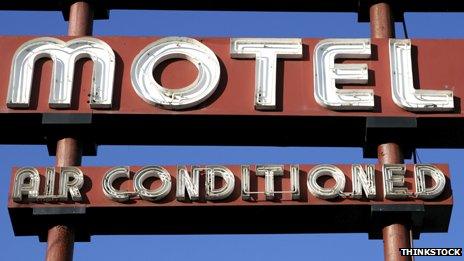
<point>167,48</point>
<point>422,191</point>
<point>393,181</point>
<point>330,171</point>
<point>266,51</point>
<point>327,74</point>
<point>403,92</point>
<point>64,56</point>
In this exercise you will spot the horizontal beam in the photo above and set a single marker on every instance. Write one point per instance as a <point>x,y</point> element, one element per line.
<point>236,200</point>
<point>210,130</point>
<point>233,220</point>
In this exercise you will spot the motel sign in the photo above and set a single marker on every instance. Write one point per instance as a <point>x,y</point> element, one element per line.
<point>327,73</point>
<point>383,94</point>
<point>363,185</point>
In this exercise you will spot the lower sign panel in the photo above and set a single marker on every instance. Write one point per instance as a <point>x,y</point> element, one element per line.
<point>217,199</point>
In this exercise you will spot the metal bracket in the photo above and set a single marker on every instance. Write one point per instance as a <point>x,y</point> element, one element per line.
<point>381,215</point>
<point>59,211</point>
<point>72,124</point>
<point>381,130</point>
<point>75,218</point>
<point>66,118</point>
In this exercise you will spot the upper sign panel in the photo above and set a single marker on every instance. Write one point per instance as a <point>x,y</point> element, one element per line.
<point>238,76</point>
<point>192,91</point>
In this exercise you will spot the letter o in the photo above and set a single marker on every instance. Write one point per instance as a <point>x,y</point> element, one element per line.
<point>326,170</point>
<point>155,172</point>
<point>167,48</point>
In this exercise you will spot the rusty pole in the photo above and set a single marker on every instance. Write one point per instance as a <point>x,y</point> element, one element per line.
<point>60,238</point>
<point>80,19</point>
<point>395,234</point>
<point>382,24</point>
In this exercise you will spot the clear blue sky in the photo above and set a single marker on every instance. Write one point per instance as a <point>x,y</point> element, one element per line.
<point>224,247</point>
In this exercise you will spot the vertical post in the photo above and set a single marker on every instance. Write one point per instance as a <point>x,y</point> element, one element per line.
<point>80,19</point>
<point>60,238</point>
<point>395,234</point>
<point>382,24</point>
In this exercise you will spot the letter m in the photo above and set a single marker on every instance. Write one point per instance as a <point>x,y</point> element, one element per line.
<point>64,56</point>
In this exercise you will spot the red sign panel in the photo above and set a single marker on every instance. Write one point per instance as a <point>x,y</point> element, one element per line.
<point>289,197</point>
<point>235,92</point>
<point>222,84</point>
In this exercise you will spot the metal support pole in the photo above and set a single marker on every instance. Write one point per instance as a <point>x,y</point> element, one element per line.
<point>382,24</point>
<point>60,243</point>
<point>395,234</point>
<point>60,238</point>
<point>80,19</point>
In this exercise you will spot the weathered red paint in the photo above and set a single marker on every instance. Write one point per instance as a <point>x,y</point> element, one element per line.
<point>98,215</point>
<point>235,94</point>
<point>93,195</point>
